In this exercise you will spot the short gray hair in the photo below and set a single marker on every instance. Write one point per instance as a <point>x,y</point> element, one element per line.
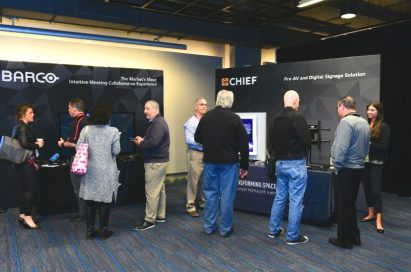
<point>154,104</point>
<point>225,99</point>
<point>348,102</point>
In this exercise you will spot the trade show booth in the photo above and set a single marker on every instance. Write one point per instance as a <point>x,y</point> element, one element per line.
<point>320,83</point>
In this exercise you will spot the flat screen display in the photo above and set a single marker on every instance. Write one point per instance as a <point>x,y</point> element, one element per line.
<point>255,126</point>
<point>123,121</point>
<point>249,124</point>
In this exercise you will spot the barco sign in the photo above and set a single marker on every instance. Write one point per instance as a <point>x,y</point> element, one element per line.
<point>28,77</point>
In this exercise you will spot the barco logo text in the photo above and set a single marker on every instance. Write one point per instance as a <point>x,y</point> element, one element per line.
<point>28,77</point>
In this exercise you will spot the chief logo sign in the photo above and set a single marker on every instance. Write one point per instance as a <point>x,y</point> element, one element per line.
<point>239,81</point>
<point>28,77</point>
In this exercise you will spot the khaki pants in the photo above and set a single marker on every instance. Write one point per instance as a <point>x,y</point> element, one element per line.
<point>155,174</point>
<point>194,179</point>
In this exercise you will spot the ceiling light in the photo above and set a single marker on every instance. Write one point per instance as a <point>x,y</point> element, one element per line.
<point>304,3</point>
<point>348,9</point>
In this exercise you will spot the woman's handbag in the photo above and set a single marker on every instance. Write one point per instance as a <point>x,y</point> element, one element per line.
<point>11,150</point>
<point>79,164</point>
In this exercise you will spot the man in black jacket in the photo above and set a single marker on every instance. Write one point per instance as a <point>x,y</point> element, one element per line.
<point>290,139</point>
<point>223,136</point>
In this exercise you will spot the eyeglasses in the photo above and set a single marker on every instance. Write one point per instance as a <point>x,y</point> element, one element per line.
<point>202,104</point>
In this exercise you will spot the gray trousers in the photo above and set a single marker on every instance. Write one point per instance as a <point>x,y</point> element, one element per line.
<point>76,182</point>
<point>155,174</point>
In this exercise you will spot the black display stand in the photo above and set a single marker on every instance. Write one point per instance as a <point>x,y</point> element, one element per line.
<point>54,190</point>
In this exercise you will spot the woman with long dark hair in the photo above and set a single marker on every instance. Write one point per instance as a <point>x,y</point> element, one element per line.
<point>26,170</point>
<point>378,154</point>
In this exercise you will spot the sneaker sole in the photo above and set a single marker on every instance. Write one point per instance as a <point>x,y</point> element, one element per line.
<point>297,243</point>
<point>160,220</point>
<point>150,227</point>
<point>273,236</point>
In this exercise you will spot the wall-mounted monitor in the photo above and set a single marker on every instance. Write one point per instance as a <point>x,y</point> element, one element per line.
<point>255,124</point>
<point>124,121</point>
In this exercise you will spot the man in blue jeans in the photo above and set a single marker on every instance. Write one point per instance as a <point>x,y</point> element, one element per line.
<point>223,136</point>
<point>290,139</point>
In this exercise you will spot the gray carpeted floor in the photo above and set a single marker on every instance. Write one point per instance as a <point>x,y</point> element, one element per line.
<point>180,245</point>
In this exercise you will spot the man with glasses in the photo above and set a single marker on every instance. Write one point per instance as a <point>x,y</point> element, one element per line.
<point>194,159</point>
<point>348,152</point>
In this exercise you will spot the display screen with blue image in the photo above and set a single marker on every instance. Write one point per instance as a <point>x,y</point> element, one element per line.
<point>248,124</point>
<point>123,121</point>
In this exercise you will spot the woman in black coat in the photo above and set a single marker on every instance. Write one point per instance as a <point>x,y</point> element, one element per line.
<point>26,170</point>
<point>378,154</point>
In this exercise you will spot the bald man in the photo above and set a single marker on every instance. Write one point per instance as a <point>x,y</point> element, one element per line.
<point>290,139</point>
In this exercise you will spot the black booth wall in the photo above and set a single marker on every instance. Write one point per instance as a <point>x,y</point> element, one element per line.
<point>393,42</point>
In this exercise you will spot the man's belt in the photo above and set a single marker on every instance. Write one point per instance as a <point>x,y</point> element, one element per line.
<point>199,150</point>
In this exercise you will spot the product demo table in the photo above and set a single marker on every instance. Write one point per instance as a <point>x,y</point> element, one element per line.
<point>256,194</point>
<point>257,191</point>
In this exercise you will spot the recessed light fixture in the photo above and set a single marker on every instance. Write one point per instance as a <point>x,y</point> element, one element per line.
<point>348,9</point>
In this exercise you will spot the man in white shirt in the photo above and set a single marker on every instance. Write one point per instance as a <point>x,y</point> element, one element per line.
<point>194,158</point>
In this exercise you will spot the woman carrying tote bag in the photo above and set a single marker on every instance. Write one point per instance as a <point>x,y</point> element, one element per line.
<point>26,170</point>
<point>99,184</point>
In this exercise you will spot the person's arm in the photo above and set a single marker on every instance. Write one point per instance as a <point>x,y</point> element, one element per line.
<point>243,147</point>
<point>381,145</point>
<point>115,146</point>
<point>198,135</point>
<point>154,135</point>
<point>341,144</point>
<point>189,130</point>
<point>303,132</point>
<point>81,138</point>
<point>24,139</point>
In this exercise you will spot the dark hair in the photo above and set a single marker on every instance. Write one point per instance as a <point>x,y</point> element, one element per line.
<point>100,114</point>
<point>347,101</point>
<point>22,109</point>
<point>376,129</point>
<point>78,104</point>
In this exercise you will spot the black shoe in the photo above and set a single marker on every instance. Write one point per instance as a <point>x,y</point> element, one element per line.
<point>105,233</point>
<point>275,235</point>
<point>193,213</point>
<point>228,233</point>
<point>379,230</point>
<point>300,240</point>
<point>160,220</point>
<point>27,226</point>
<point>145,225</point>
<point>77,218</point>
<point>209,232</point>
<point>21,220</point>
<point>338,243</point>
<point>91,234</point>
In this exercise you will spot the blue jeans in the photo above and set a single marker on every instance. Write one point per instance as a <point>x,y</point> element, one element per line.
<point>219,187</point>
<point>291,183</point>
